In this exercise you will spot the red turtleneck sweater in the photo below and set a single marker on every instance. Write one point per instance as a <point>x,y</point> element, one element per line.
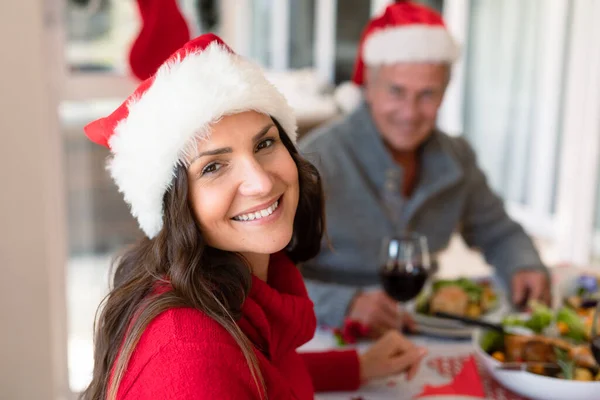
<point>184,354</point>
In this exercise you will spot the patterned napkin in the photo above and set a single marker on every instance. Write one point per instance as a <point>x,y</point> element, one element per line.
<point>468,381</point>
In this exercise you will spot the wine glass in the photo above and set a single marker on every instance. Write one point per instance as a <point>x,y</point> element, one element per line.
<point>595,338</point>
<point>405,266</point>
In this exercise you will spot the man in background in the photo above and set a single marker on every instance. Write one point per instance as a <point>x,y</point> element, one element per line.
<point>403,68</point>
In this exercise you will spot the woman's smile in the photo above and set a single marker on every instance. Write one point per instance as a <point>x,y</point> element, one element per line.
<point>262,214</point>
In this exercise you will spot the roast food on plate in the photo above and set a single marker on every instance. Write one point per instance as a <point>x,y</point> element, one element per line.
<point>461,297</point>
<point>560,338</point>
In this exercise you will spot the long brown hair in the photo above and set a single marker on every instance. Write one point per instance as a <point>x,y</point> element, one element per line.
<point>207,279</point>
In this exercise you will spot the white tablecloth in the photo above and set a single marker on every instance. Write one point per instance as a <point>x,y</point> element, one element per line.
<point>396,388</point>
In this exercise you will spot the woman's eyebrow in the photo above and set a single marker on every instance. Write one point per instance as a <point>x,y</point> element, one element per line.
<point>226,150</point>
<point>262,132</point>
<point>215,152</point>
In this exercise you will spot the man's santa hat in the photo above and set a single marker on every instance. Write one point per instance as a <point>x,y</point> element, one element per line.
<point>150,134</point>
<point>406,32</point>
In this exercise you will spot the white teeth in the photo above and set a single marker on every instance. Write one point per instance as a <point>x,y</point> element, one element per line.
<point>258,214</point>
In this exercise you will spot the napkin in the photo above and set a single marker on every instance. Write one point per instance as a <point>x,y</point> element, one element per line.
<point>465,385</point>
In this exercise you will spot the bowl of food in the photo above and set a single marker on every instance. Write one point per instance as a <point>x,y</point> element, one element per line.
<point>473,298</point>
<point>538,360</point>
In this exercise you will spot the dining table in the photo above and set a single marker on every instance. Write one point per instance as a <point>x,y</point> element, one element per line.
<point>446,358</point>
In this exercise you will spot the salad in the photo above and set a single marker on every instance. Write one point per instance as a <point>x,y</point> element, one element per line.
<point>462,297</point>
<point>558,338</point>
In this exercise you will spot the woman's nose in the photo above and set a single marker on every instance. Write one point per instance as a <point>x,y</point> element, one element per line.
<point>256,181</point>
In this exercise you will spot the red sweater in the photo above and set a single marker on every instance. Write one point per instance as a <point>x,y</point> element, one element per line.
<point>184,354</point>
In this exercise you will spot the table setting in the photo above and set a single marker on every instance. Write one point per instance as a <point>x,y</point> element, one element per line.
<point>480,346</point>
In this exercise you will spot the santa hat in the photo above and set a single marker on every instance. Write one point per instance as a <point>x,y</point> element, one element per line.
<point>164,30</point>
<point>405,32</point>
<point>150,133</point>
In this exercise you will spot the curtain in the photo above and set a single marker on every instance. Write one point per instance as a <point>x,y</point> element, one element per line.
<point>501,97</point>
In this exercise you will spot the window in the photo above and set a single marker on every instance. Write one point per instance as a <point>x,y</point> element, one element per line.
<point>531,112</point>
<point>99,33</point>
<point>302,34</point>
<point>515,75</point>
<point>351,18</point>
<point>260,34</point>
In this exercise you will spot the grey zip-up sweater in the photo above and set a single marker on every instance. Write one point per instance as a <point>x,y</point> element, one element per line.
<point>451,195</point>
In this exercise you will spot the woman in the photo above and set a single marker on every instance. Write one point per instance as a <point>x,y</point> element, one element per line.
<point>210,304</point>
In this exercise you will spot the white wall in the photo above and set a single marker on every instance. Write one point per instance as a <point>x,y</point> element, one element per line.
<point>32,228</point>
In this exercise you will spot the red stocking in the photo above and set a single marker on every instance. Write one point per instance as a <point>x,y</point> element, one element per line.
<point>164,31</point>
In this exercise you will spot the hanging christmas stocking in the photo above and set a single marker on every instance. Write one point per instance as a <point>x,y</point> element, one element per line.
<point>164,30</point>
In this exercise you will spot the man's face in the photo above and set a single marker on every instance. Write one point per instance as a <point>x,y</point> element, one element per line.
<point>404,99</point>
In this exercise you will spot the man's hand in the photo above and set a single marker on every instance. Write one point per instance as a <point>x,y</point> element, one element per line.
<point>379,312</point>
<point>530,285</point>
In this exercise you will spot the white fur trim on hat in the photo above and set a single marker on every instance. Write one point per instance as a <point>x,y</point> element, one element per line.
<point>348,96</point>
<point>419,43</point>
<point>186,97</point>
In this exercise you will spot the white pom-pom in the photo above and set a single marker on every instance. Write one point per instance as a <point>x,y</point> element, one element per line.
<point>348,96</point>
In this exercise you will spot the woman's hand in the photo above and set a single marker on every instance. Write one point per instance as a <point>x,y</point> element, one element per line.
<point>391,355</point>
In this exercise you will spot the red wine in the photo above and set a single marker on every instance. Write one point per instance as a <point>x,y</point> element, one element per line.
<point>596,348</point>
<point>403,285</point>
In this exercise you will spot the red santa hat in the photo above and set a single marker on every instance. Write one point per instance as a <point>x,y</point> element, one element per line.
<point>164,30</point>
<point>153,130</point>
<point>405,32</point>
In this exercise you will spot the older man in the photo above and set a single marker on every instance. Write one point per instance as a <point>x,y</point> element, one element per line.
<point>404,66</point>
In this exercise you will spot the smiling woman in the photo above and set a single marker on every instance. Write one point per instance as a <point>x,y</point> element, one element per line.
<point>244,188</point>
<point>210,303</point>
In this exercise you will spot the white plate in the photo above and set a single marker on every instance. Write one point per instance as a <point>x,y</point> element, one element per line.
<point>532,386</point>
<point>427,321</point>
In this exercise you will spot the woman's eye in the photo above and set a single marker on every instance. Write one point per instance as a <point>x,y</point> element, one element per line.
<point>211,168</point>
<point>265,144</point>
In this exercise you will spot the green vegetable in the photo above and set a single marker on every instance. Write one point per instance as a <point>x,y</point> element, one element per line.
<point>566,364</point>
<point>541,318</point>
<point>492,341</point>
<point>573,322</point>
<point>512,320</point>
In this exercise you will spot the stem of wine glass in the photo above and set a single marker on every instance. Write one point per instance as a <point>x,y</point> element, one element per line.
<point>408,252</point>
<point>425,251</point>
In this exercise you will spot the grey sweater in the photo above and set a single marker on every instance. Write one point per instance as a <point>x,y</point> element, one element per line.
<point>451,195</point>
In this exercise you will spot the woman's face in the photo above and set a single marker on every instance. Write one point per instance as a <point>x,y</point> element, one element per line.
<point>243,186</point>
